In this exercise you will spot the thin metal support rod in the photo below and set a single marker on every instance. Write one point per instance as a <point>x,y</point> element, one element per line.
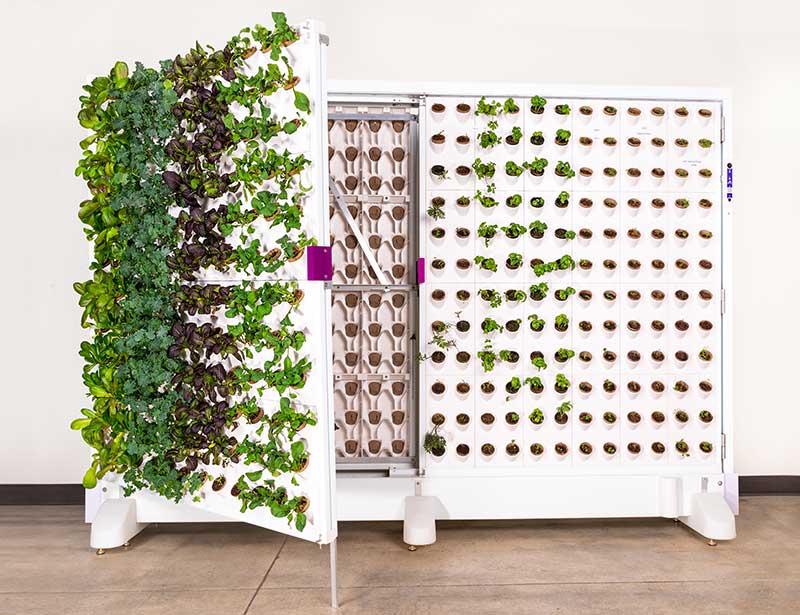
<point>403,117</point>
<point>334,597</point>
<point>340,203</point>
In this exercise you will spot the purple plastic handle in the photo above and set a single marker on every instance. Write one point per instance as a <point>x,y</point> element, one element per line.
<point>319,265</point>
<point>420,271</point>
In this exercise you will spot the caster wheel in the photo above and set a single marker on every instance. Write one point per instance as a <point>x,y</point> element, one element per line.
<point>126,544</point>
<point>412,548</point>
<point>100,552</point>
<point>712,542</point>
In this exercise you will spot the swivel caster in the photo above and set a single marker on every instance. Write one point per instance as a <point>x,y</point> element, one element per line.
<point>412,548</point>
<point>712,542</point>
<point>126,544</point>
<point>100,552</point>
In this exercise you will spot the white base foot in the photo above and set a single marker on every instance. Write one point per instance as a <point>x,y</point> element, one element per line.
<point>419,522</point>
<point>711,517</point>
<point>115,524</point>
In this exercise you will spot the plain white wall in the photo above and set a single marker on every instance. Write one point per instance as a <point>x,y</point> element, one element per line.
<point>52,48</point>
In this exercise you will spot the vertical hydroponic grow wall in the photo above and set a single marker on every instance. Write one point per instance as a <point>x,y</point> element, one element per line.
<point>208,304</point>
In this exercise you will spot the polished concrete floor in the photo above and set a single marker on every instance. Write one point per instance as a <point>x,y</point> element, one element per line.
<point>648,566</point>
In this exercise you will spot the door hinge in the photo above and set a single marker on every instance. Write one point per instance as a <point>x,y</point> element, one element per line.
<point>724,446</point>
<point>324,39</point>
<point>722,129</point>
<point>722,301</point>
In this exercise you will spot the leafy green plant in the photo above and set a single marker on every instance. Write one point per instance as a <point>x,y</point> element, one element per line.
<point>514,261</point>
<point>434,442</point>
<point>535,383</point>
<point>562,383</point>
<point>483,170</point>
<point>488,139</point>
<point>509,356</point>
<point>538,291</point>
<point>436,211</point>
<point>564,354</point>
<point>486,263</point>
<point>539,363</point>
<point>513,386</point>
<point>510,106</point>
<point>538,104</point>
<point>563,169</point>
<point>537,229</point>
<point>562,199</point>
<point>490,324</point>
<point>536,416</point>
<point>488,108</point>
<point>536,167</point>
<point>513,169</point>
<point>488,357</point>
<point>563,294</point>
<point>535,323</point>
<point>513,230</point>
<point>562,264</point>
<point>562,109</point>
<point>515,137</point>
<point>487,232</point>
<point>486,200</point>
<point>494,298</point>
<point>515,200</point>
<point>562,136</point>
<point>561,322</point>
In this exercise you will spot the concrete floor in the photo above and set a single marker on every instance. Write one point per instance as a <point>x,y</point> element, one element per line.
<point>618,566</point>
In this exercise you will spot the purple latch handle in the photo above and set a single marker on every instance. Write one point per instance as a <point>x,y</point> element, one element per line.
<point>319,265</point>
<point>420,271</point>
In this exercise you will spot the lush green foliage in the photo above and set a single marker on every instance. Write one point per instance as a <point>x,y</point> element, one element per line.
<point>165,150</point>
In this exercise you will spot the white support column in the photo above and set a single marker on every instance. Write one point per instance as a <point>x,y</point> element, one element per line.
<point>115,524</point>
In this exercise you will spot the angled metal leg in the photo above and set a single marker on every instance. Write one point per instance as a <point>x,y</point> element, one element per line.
<point>368,253</point>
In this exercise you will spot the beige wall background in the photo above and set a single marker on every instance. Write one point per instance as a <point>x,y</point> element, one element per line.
<point>50,49</point>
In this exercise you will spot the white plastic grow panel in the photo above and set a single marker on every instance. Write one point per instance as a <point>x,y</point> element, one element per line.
<point>117,520</point>
<point>650,228</point>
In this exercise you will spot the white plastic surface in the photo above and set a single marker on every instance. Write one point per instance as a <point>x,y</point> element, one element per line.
<point>711,517</point>
<point>115,524</point>
<point>419,524</point>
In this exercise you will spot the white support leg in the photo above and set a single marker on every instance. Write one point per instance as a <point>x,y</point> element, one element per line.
<point>711,517</point>
<point>334,597</point>
<point>419,520</point>
<point>115,524</point>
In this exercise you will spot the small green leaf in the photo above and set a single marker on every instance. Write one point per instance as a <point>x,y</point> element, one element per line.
<point>301,102</point>
<point>78,424</point>
<point>90,478</point>
<point>254,476</point>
